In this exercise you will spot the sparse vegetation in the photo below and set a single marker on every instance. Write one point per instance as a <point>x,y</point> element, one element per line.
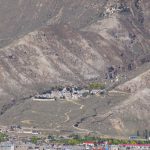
<point>96,86</point>
<point>3,137</point>
<point>34,139</point>
<point>89,49</point>
<point>78,140</point>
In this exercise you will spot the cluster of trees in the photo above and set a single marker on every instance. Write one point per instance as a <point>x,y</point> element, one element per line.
<point>35,139</point>
<point>96,86</point>
<point>3,137</point>
<point>76,139</point>
<point>117,141</point>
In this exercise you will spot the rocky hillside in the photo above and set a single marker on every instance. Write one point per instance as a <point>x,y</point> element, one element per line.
<point>51,42</point>
<point>73,49</point>
<point>23,16</point>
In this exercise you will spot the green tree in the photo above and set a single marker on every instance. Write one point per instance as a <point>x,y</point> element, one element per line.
<point>133,142</point>
<point>3,137</point>
<point>73,141</point>
<point>34,139</point>
<point>96,86</point>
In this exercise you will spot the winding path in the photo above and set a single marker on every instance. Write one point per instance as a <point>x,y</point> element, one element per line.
<point>67,116</point>
<point>76,103</point>
<point>74,126</point>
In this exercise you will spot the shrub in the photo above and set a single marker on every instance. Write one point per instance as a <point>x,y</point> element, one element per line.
<point>34,139</point>
<point>2,137</point>
<point>97,86</point>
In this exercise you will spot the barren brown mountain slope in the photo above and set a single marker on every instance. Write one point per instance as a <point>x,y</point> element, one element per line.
<point>55,42</point>
<point>115,33</point>
<point>22,16</point>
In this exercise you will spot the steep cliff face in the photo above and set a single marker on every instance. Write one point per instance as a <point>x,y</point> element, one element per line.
<point>52,42</point>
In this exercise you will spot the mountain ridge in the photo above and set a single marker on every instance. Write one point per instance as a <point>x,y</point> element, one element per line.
<point>71,43</point>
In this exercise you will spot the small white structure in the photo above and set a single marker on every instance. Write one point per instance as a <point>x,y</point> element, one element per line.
<point>88,145</point>
<point>114,147</point>
<point>7,146</point>
<point>43,100</point>
<point>27,131</point>
<point>83,91</point>
<point>34,132</point>
<point>76,96</point>
<point>56,94</point>
<point>95,92</point>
